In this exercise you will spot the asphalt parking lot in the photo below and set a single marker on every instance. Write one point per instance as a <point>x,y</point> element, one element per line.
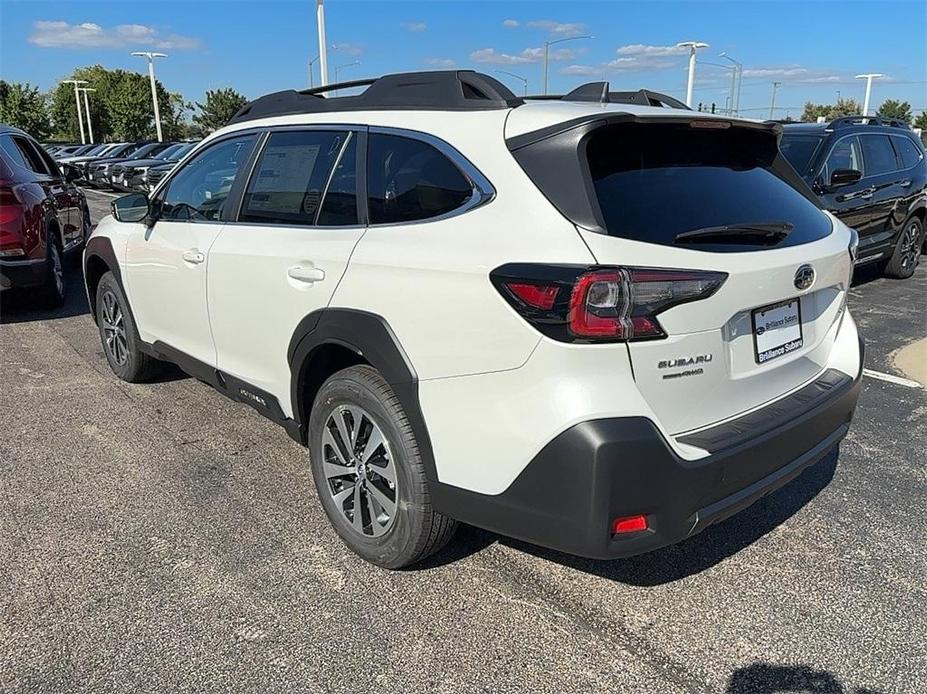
<point>159,537</point>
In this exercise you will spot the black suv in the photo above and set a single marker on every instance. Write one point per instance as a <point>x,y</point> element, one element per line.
<point>871,173</point>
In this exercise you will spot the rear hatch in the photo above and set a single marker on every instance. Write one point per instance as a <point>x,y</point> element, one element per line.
<point>709,196</point>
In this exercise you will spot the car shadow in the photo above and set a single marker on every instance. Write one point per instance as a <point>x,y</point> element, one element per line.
<point>767,678</point>
<point>865,274</point>
<point>23,305</point>
<point>676,562</point>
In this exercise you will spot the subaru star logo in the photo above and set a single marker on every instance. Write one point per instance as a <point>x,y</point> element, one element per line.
<point>804,277</point>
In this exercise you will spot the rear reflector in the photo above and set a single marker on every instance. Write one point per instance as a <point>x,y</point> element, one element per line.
<point>630,524</point>
<point>536,295</point>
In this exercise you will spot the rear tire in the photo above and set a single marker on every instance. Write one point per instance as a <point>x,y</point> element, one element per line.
<point>119,335</point>
<point>53,288</point>
<point>907,253</point>
<point>365,458</point>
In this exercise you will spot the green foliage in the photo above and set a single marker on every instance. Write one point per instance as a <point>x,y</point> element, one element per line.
<point>221,104</point>
<point>843,107</point>
<point>921,121</point>
<point>120,108</point>
<point>25,107</point>
<point>892,108</point>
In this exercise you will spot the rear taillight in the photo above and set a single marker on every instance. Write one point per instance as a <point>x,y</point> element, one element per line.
<point>10,207</point>
<point>600,304</point>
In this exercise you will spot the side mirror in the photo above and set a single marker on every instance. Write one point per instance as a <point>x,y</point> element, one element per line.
<point>71,173</point>
<point>133,207</point>
<point>844,177</point>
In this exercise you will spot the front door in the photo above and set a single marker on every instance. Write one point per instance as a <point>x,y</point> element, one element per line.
<point>167,261</point>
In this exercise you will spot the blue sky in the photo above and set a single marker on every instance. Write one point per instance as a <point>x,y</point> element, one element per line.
<point>814,48</point>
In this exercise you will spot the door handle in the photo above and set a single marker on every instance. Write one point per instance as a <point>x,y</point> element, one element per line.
<point>308,274</point>
<point>194,256</point>
<point>905,184</point>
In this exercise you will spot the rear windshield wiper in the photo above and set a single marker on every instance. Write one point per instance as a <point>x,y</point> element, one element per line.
<point>766,233</point>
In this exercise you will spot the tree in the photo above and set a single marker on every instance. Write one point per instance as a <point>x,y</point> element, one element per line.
<point>899,110</point>
<point>921,121</point>
<point>220,106</point>
<point>24,106</point>
<point>843,107</point>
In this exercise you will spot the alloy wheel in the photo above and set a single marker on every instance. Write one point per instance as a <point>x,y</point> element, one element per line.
<point>114,330</point>
<point>57,269</point>
<point>359,470</point>
<point>911,245</point>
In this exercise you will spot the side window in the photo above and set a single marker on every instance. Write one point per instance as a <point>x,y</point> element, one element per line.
<point>339,208</point>
<point>33,158</point>
<point>12,151</point>
<point>879,155</point>
<point>409,179</point>
<point>289,179</point>
<point>909,152</point>
<point>845,155</point>
<point>199,190</point>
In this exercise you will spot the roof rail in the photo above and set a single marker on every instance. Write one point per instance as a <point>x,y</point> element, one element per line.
<point>599,92</point>
<point>847,121</point>
<point>444,90</point>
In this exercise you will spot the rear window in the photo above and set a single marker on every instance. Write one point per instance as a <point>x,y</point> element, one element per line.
<point>909,152</point>
<point>656,181</point>
<point>799,150</point>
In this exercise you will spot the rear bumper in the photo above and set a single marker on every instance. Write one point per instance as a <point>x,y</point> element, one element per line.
<point>22,273</point>
<point>599,470</point>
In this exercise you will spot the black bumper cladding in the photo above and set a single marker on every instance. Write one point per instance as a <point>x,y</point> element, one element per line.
<point>597,471</point>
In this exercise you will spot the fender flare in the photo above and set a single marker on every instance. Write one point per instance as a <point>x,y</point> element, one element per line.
<point>101,247</point>
<point>370,336</point>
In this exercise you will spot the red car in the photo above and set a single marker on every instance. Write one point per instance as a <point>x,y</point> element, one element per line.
<point>43,216</point>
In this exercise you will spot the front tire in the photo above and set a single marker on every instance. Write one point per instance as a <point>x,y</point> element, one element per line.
<point>369,474</point>
<point>53,287</point>
<point>119,335</point>
<point>907,253</point>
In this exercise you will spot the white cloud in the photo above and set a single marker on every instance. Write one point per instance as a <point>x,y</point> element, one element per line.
<point>794,73</point>
<point>57,34</point>
<point>511,23</point>
<point>584,70</point>
<point>639,49</point>
<point>529,55</point>
<point>348,48</point>
<point>559,28</point>
<point>446,63</point>
<point>414,26</point>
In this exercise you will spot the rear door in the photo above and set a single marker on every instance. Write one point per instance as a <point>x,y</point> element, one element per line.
<point>674,196</point>
<point>285,253</point>
<point>883,178</point>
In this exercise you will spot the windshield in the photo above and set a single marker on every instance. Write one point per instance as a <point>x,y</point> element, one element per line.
<point>145,151</point>
<point>97,149</point>
<point>168,153</point>
<point>799,150</point>
<point>654,182</point>
<point>182,150</point>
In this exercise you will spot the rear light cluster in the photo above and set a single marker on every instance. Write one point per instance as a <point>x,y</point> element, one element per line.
<point>574,303</point>
<point>10,212</point>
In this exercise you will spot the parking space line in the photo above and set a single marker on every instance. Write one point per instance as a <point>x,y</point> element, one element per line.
<point>897,380</point>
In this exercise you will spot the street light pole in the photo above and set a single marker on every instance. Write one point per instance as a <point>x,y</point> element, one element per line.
<point>868,77</point>
<point>87,111</point>
<point>738,76</point>
<point>772,103</point>
<point>342,67</point>
<point>311,63</point>
<point>154,90</point>
<point>323,49</point>
<point>80,118</point>
<point>518,77</point>
<point>693,46</point>
<point>548,44</point>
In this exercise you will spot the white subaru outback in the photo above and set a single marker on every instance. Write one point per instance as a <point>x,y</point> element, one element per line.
<point>598,323</point>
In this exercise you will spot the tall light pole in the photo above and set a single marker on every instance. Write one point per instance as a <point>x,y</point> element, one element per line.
<point>311,63</point>
<point>548,44</point>
<point>154,91</point>
<point>772,103</point>
<point>739,77</point>
<point>733,69</point>
<point>87,111</point>
<point>323,49</point>
<point>868,77</point>
<point>693,46</point>
<point>518,77</point>
<point>80,118</point>
<point>342,67</point>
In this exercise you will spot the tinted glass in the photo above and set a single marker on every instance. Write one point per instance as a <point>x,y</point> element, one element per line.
<point>409,179</point>
<point>799,150</point>
<point>201,187</point>
<point>845,155</point>
<point>289,179</point>
<point>339,208</point>
<point>148,151</point>
<point>167,152</point>
<point>909,152</point>
<point>654,182</point>
<point>878,154</point>
<point>12,152</point>
<point>33,159</point>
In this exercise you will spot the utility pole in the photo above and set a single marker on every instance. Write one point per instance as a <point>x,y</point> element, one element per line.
<point>323,49</point>
<point>87,111</point>
<point>868,77</point>
<point>518,77</point>
<point>154,90</point>
<point>772,104</point>
<point>80,118</point>
<point>548,44</point>
<point>692,46</point>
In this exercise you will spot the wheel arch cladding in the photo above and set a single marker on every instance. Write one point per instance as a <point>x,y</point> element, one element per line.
<point>325,338</point>
<point>99,258</point>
